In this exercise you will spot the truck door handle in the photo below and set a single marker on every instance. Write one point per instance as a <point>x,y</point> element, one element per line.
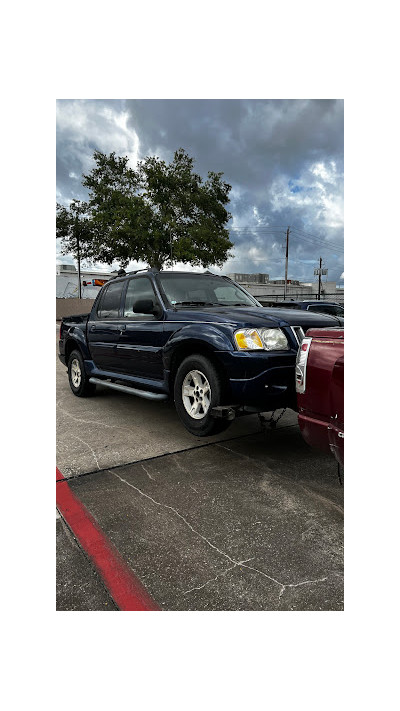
<point>122,328</point>
<point>92,328</point>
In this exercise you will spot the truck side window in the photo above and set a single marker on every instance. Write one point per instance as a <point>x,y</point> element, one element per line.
<point>139,289</point>
<point>110,301</point>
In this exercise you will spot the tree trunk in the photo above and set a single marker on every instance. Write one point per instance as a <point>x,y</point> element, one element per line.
<point>157,264</point>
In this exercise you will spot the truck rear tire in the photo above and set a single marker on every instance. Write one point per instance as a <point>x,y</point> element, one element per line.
<point>197,389</point>
<point>78,380</point>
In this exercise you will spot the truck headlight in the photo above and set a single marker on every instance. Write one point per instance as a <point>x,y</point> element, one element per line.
<point>248,340</point>
<point>268,339</point>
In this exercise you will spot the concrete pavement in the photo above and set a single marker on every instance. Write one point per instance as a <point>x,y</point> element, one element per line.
<point>249,520</point>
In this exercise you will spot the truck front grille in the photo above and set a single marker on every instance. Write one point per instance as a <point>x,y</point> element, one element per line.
<point>298,333</point>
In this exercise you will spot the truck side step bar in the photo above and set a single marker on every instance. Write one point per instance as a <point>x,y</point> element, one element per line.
<point>126,389</point>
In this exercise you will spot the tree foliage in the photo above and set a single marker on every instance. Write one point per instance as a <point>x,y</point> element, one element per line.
<point>74,224</point>
<point>159,213</point>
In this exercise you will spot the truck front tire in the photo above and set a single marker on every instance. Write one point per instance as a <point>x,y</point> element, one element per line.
<point>78,380</point>
<point>197,389</point>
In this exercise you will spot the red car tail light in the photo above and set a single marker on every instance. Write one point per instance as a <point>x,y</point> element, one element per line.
<point>301,365</point>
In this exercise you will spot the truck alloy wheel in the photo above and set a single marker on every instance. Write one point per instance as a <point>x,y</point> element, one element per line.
<point>78,380</point>
<point>196,394</point>
<point>76,373</point>
<point>197,389</point>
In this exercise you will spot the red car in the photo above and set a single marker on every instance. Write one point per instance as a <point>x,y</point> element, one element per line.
<point>320,389</point>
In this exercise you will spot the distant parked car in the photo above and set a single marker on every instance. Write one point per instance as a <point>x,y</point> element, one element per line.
<point>319,307</point>
<point>320,386</point>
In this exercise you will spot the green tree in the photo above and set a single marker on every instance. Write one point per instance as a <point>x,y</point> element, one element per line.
<point>159,213</point>
<point>73,224</point>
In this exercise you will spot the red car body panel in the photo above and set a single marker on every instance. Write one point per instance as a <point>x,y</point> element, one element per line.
<point>321,405</point>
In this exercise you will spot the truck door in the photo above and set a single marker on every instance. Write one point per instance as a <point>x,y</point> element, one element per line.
<point>139,350</point>
<point>104,327</point>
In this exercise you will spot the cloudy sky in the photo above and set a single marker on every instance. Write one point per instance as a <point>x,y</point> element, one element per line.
<point>283,158</point>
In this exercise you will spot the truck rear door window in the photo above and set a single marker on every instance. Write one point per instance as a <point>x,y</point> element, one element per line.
<point>110,301</point>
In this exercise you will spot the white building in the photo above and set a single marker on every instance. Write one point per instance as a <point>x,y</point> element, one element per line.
<point>67,282</point>
<point>273,290</point>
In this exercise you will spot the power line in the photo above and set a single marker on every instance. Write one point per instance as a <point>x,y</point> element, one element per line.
<point>275,259</point>
<point>307,233</point>
<point>274,229</point>
<point>258,232</point>
<point>282,227</point>
<point>259,227</point>
<point>317,240</point>
<point>319,243</point>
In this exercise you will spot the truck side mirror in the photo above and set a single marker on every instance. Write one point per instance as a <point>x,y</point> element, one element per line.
<point>143,306</point>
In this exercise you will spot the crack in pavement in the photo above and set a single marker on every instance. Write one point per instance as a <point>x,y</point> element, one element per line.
<point>171,508</point>
<point>89,447</point>
<point>92,422</point>
<point>218,576</point>
<point>304,582</point>
<point>236,563</point>
<point>185,471</point>
<point>148,473</point>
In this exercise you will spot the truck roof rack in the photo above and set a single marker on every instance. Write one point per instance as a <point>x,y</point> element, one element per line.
<point>122,272</point>
<point>145,269</point>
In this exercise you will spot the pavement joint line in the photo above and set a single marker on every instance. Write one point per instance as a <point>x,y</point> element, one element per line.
<point>168,454</point>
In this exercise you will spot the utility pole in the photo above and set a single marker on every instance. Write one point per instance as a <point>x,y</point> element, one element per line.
<point>319,278</point>
<point>320,272</point>
<point>286,263</point>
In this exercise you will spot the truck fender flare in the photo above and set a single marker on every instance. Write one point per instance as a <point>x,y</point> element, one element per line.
<point>78,339</point>
<point>203,336</point>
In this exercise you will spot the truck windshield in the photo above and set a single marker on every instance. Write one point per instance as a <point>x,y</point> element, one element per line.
<point>186,290</point>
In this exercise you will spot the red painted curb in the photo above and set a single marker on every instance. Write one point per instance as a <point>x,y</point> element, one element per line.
<point>126,590</point>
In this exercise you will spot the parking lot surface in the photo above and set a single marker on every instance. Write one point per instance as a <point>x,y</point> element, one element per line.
<point>249,520</point>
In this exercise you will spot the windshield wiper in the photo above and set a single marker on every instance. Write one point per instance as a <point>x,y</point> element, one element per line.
<point>193,303</point>
<point>208,303</point>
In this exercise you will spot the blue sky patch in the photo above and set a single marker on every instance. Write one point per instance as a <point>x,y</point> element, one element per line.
<point>294,187</point>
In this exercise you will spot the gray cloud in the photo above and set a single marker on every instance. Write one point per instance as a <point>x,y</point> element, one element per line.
<point>283,158</point>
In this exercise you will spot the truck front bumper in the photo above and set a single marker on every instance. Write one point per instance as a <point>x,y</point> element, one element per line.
<point>260,379</point>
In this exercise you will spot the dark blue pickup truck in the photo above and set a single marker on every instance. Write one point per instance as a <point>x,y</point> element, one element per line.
<point>200,338</point>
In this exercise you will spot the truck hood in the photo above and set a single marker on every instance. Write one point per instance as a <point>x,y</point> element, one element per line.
<point>248,316</point>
